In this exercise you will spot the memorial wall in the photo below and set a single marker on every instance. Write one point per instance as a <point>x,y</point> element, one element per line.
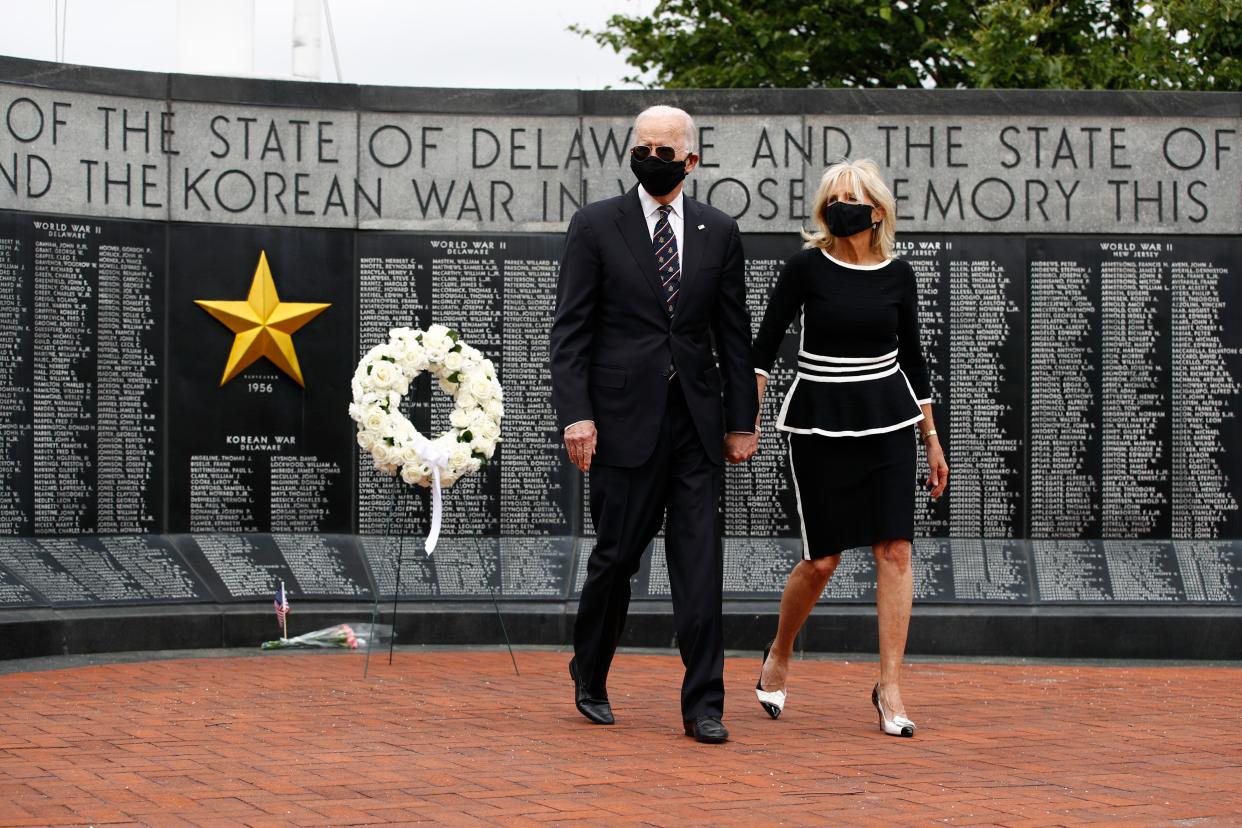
<point>1079,258</point>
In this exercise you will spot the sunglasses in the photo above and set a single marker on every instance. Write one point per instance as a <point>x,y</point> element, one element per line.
<point>642,152</point>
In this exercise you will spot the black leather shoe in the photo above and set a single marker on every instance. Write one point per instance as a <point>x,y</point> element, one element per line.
<point>706,729</point>
<point>598,711</point>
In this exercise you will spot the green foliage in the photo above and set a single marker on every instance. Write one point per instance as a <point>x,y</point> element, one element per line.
<point>1078,44</point>
<point>1096,44</point>
<point>1211,56</point>
<point>788,43</point>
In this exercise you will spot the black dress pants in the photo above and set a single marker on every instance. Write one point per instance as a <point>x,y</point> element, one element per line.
<point>628,507</point>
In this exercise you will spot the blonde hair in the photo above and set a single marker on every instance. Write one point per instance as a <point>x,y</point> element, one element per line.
<point>864,180</point>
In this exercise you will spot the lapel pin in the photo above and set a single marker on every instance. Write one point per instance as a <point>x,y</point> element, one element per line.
<point>702,226</point>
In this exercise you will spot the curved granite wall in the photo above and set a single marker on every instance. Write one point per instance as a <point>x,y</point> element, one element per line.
<point>1080,274</point>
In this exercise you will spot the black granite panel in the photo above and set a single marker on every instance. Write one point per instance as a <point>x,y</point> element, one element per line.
<point>535,568</point>
<point>16,375</point>
<point>1211,570</point>
<point>1112,571</point>
<point>249,567</point>
<point>461,568</point>
<point>30,633</point>
<point>260,452</point>
<point>498,293</point>
<point>81,379</point>
<point>103,569</point>
<point>759,499</point>
<point>14,594</point>
<point>139,629</point>
<point>1206,333</point>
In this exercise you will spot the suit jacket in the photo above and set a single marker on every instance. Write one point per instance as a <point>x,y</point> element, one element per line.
<point>612,341</point>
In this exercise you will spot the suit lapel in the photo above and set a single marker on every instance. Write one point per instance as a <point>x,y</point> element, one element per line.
<point>633,226</point>
<point>693,243</point>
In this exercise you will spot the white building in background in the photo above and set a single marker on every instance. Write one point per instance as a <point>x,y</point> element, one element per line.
<point>307,19</point>
<point>216,37</point>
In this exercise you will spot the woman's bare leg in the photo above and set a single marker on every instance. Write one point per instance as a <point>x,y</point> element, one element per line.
<point>894,596</point>
<point>806,581</point>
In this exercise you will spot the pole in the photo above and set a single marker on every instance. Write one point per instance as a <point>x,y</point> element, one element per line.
<point>336,60</point>
<point>396,592</point>
<point>496,605</point>
<point>392,510</point>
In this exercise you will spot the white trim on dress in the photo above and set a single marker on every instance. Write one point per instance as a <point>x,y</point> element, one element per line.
<point>833,258</point>
<point>910,388</point>
<point>849,360</point>
<point>858,378</point>
<point>806,546</point>
<point>824,369</point>
<point>865,432</point>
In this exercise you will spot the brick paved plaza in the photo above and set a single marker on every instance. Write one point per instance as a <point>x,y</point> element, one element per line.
<point>454,738</point>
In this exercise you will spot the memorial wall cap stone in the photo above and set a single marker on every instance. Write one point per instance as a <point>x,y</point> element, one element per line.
<point>109,143</point>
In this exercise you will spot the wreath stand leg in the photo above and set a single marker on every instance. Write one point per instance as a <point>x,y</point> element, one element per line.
<point>435,575</point>
<point>496,605</point>
<point>396,592</point>
<point>392,509</point>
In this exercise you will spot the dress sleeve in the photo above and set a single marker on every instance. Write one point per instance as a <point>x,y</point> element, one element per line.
<point>787,298</point>
<point>909,348</point>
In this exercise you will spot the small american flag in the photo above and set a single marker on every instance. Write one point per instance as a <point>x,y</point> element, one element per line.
<point>282,603</point>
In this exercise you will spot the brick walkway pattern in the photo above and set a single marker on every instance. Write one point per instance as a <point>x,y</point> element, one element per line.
<point>454,738</point>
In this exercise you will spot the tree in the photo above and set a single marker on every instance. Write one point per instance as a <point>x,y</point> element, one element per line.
<point>1163,44</point>
<point>790,43</point>
<point>1078,44</point>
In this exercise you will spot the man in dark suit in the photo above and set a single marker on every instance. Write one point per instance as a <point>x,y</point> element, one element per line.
<point>650,282</point>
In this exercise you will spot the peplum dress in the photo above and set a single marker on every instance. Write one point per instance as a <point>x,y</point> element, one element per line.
<point>848,414</point>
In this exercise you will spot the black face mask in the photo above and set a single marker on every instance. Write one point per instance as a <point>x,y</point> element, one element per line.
<point>847,219</point>
<point>658,177</point>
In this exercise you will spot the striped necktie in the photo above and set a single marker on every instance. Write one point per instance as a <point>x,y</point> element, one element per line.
<point>668,261</point>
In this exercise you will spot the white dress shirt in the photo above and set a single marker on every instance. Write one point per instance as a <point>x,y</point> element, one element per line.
<point>676,218</point>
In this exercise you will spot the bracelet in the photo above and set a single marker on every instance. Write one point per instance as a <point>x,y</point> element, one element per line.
<point>931,432</point>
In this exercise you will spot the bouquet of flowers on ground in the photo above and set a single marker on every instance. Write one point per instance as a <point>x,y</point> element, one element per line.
<point>342,636</point>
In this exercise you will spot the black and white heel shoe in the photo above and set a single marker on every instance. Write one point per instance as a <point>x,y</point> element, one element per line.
<point>895,726</point>
<point>772,701</point>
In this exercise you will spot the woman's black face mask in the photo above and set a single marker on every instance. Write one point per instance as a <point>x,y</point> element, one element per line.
<point>845,219</point>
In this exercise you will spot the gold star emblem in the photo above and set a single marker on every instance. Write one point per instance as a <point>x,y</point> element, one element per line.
<point>263,325</point>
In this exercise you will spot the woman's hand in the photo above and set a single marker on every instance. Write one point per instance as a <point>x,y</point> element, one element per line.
<point>938,479</point>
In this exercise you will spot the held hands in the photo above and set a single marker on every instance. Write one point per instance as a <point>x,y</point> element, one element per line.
<point>938,479</point>
<point>580,444</point>
<point>580,441</point>
<point>741,447</point>
<point>738,448</point>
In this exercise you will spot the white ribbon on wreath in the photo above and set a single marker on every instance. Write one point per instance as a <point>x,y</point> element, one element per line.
<point>381,382</point>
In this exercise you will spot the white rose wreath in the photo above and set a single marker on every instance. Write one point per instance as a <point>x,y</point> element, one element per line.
<point>383,378</point>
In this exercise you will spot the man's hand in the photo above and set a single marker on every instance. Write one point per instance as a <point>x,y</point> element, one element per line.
<point>739,448</point>
<point>580,443</point>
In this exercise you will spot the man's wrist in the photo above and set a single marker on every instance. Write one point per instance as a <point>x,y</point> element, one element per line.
<point>577,422</point>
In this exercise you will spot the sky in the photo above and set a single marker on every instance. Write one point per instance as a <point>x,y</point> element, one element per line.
<point>454,43</point>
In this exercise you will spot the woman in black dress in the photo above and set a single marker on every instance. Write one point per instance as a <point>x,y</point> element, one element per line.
<point>861,385</point>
